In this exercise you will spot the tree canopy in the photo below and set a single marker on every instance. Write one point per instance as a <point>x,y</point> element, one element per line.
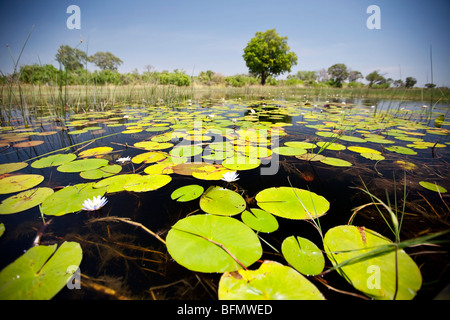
<point>105,60</point>
<point>267,54</point>
<point>338,73</point>
<point>70,58</point>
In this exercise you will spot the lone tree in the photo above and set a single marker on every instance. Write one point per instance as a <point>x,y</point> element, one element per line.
<point>105,60</point>
<point>338,73</point>
<point>410,82</point>
<point>70,58</point>
<point>267,54</point>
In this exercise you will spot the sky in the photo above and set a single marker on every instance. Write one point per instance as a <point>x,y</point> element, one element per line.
<point>200,35</point>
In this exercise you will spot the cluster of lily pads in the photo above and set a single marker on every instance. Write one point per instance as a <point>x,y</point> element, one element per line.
<point>215,146</point>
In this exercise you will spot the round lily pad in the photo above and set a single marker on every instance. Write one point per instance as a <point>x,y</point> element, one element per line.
<point>401,150</point>
<point>336,162</point>
<point>94,152</point>
<point>221,201</point>
<point>374,274</point>
<point>240,162</point>
<point>289,151</point>
<point>186,151</point>
<point>292,203</point>
<point>53,160</point>
<point>272,281</point>
<point>41,272</point>
<point>211,243</point>
<point>187,193</point>
<point>25,200</point>
<point>147,183</point>
<point>303,255</point>
<point>260,220</point>
<point>11,167</point>
<point>28,144</point>
<point>331,145</point>
<point>149,157</point>
<point>82,165</point>
<point>432,186</point>
<point>102,172</point>
<point>70,199</point>
<point>116,183</point>
<point>20,182</point>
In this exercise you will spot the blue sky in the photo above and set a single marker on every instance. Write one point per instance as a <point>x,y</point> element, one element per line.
<point>200,35</point>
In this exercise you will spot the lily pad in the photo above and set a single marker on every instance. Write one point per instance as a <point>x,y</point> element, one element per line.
<point>289,151</point>
<point>336,162</point>
<point>25,200</point>
<point>82,165</point>
<point>186,151</point>
<point>375,275</point>
<point>272,281</point>
<point>211,243</point>
<point>116,183</point>
<point>432,186</point>
<point>40,273</point>
<point>53,160</point>
<point>240,162</point>
<point>187,193</point>
<point>401,150</point>
<point>303,255</point>
<point>147,183</point>
<point>11,167</point>
<point>95,152</point>
<point>260,220</point>
<point>102,172</point>
<point>149,157</point>
<point>331,145</point>
<point>70,199</point>
<point>292,203</point>
<point>221,201</point>
<point>28,144</point>
<point>20,182</point>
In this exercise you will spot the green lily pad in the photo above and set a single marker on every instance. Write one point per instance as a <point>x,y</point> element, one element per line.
<point>221,201</point>
<point>102,172</point>
<point>187,193</point>
<point>82,165</point>
<point>94,152</point>
<point>2,229</point>
<point>272,281</point>
<point>300,144</point>
<point>25,200</point>
<point>240,162</point>
<point>303,255</point>
<point>41,272</point>
<point>335,162</point>
<point>53,160</point>
<point>438,121</point>
<point>289,151</point>
<point>149,157</point>
<point>211,243</point>
<point>363,150</point>
<point>372,156</point>
<point>432,186</point>
<point>292,203</point>
<point>147,183</point>
<point>70,199</point>
<point>331,145</point>
<point>375,275</point>
<point>11,167</point>
<point>260,220</point>
<point>153,145</point>
<point>16,183</point>
<point>116,183</point>
<point>352,139</point>
<point>186,151</point>
<point>401,150</point>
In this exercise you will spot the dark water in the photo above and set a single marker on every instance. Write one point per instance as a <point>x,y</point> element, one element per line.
<point>135,265</point>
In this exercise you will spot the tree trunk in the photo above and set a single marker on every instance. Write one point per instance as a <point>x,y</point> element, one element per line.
<point>263,78</point>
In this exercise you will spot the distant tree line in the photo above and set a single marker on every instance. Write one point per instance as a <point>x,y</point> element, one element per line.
<point>73,71</point>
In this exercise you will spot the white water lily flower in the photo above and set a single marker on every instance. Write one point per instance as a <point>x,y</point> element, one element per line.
<point>230,176</point>
<point>123,160</point>
<point>95,204</point>
<point>252,111</point>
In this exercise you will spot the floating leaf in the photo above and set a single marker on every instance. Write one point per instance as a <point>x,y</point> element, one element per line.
<point>20,182</point>
<point>25,200</point>
<point>303,255</point>
<point>116,183</point>
<point>401,150</point>
<point>40,273</point>
<point>301,144</point>
<point>209,172</point>
<point>102,172</point>
<point>27,144</point>
<point>82,165</point>
<point>240,162</point>
<point>187,193</point>
<point>374,274</point>
<point>70,199</point>
<point>289,151</point>
<point>221,201</point>
<point>335,162</point>
<point>352,139</point>
<point>160,168</point>
<point>292,203</point>
<point>186,151</point>
<point>147,183</point>
<point>149,157</point>
<point>372,156</point>
<point>272,281</point>
<point>152,145</point>
<point>2,229</point>
<point>363,150</point>
<point>53,160</point>
<point>259,220</point>
<point>211,243</point>
<point>11,167</point>
<point>438,121</point>
<point>94,152</point>
<point>331,145</point>
<point>432,186</point>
